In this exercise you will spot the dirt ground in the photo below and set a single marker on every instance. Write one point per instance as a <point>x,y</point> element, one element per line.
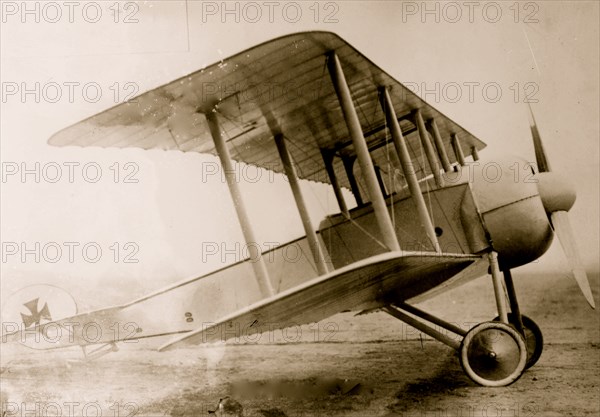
<point>371,365</point>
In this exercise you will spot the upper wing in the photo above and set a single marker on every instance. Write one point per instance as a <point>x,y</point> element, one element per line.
<point>281,85</point>
<point>370,283</point>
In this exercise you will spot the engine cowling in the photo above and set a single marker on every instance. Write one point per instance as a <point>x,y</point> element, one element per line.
<point>507,196</point>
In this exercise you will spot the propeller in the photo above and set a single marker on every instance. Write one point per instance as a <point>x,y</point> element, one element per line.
<point>540,153</point>
<point>558,196</point>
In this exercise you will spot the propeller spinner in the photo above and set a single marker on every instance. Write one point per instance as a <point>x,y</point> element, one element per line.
<point>558,196</point>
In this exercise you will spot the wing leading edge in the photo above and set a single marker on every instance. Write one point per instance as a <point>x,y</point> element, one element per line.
<point>370,283</point>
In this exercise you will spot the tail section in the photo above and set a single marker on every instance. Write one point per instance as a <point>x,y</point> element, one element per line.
<point>30,309</point>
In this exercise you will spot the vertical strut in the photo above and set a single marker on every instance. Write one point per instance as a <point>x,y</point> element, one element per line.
<point>257,261</point>
<point>439,144</point>
<point>380,181</point>
<point>474,153</point>
<point>311,236</point>
<point>498,289</point>
<point>407,167</point>
<point>424,135</point>
<point>337,190</point>
<point>460,156</point>
<point>512,299</point>
<point>362,152</point>
<point>349,166</point>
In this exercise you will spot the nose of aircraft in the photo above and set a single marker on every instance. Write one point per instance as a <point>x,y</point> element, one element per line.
<point>558,196</point>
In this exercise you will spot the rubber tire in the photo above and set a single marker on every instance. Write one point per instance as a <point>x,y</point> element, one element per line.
<point>507,330</point>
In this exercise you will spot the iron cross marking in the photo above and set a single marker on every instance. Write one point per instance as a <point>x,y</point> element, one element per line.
<point>36,316</point>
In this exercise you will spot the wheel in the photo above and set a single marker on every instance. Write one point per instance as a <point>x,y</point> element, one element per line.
<point>493,354</point>
<point>534,340</point>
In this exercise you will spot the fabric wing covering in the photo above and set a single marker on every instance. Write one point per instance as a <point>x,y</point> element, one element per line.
<point>281,86</point>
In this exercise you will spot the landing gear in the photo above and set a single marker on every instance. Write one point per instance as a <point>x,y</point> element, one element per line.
<point>493,354</point>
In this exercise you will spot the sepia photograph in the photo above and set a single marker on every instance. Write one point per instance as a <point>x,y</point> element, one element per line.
<point>299,208</point>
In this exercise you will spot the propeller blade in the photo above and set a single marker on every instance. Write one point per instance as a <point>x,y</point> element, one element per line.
<point>540,154</point>
<point>562,228</point>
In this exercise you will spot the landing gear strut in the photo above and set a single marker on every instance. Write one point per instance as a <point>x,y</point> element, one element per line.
<point>534,340</point>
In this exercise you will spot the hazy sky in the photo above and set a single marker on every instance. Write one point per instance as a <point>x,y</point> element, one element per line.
<point>547,49</point>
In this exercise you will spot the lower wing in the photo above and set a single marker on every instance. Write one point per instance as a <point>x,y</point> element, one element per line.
<point>367,284</point>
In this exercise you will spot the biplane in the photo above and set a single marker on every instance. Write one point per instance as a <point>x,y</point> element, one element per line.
<point>410,225</point>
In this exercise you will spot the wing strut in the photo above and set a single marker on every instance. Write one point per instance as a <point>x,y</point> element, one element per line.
<point>460,156</point>
<point>311,236</point>
<point>439,144</point>
<point>474,154</point>
<point>362,152</point>
<point>337,189</point>
<point>349,166</point>
<point>433,162</point>
<point>258,263</point>
<point>407,166</point>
